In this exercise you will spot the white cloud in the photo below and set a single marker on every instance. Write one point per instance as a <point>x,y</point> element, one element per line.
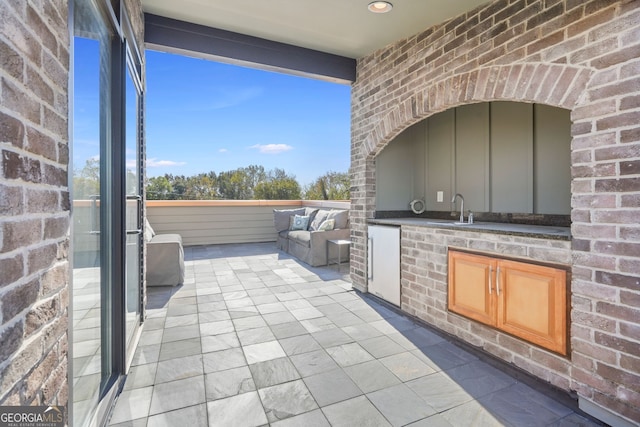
<point>272,148</point>
<point>222,150</point>
<point>131,163</point>
<point>155,163</point>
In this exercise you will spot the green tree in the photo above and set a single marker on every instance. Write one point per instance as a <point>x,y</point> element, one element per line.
<point>330,186</point>
<point>86,181</point>
<point>159,188</point>
<point>277,186</point>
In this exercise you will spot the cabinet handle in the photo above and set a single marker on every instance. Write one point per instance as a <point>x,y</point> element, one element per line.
<point>498,281</point>
<point>370,275</point>
<point>490,279</point>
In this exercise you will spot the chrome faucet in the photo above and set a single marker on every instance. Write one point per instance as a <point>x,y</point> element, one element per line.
<point>461,205</point>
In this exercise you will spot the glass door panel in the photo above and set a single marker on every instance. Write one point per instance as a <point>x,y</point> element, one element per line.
<point>91,326</point>
<point>133,209</point>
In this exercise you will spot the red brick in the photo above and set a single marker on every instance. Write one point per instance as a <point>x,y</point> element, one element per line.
<point>18,167</point>
<point>20,234</point>
<point>41,144</point>
<point>11,130</point>
<point>618,376</point>
<point>590,22</point>
<point>19,298</point>
<point>616,343</point>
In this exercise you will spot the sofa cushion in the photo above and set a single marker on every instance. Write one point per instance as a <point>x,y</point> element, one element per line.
<point>327,224</point>
<point>341,217</point>
<point>148,231</point>
<point>301,237</point>
<point>311,213</point>
<point>319,218</point>
<point>299,223</point>
<point>281,217</point>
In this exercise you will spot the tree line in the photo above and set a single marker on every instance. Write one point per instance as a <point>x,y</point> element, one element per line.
<point>247,183</point>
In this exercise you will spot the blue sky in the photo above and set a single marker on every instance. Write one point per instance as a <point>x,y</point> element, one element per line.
<point>203,116</point>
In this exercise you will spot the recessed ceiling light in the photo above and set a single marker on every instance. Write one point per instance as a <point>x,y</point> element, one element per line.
<point>380,6</point>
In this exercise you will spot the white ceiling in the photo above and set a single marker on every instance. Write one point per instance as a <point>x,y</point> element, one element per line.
<point>341,27</point>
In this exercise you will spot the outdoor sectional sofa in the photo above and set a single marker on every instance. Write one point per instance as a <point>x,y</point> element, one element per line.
<point>309,244</point>
<point>165,258</point>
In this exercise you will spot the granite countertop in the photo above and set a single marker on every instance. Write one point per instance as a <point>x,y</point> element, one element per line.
<point>525,230</point>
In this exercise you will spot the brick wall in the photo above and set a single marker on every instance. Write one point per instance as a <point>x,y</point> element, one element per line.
<point>34,202</point>
<point>575,54</point>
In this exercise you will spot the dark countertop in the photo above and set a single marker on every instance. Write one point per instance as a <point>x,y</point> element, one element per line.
<point>524,230</point>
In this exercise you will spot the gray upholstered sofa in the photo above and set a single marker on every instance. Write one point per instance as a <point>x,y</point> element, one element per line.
<point>309,245</point>
<point>165,258</point>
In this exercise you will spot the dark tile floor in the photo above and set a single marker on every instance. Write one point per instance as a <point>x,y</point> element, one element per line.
<point>255,338</point>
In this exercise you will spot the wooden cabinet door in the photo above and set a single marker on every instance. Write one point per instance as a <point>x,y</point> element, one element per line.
<point>470,294</point>
<point>532,303</point>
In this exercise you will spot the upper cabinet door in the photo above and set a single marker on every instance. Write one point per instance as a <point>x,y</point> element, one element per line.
<point>532,303</point>
<point>472,156</point>
<point>511,157</point>
<point>471,286</point>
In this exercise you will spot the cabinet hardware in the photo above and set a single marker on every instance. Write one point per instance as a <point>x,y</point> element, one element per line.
<point>490,279</point>
<point>498,281</point>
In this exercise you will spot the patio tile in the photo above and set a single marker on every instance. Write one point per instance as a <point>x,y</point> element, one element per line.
<point>213,316</point>
<point>146,354</point>
<point>345,319</point>
<point>286,400</point>
<point>331,387</point>
<point>222,360</point>
<point>219,342</point>
<point>289,329</point>
<point>206,307</point>
<point>521,405</point>
<point>435,420</point>
<point>140,422</point>
<point>273,307</point>
<point>422,337</point>
<point>472,413</point>
<point>299,344</point>
<point>264,351</point>
<point>184,320</point>
<point>243,410</point>
<point>238,313</point>
<point>400,405</point>
<point>173,349</point>
<point>273,372</point>
<point>574,420</point>
<point>141,376</point>
<point>318,324</point>
<point>278,318</point>
<point>349,354</point>
<point>381,346</point>
<point>479,379</point>
<point>268,298</point>
<point>444,356</point>
<point>177,394</point>
<point>216,328</point>
<point>439,391</point>
<point>358,411</point>
<point>151,338</point>
<point>239,303</point>
<point>309,419</point>
<point>371,376</point>
<point>192,416</point>
<point>132,404</point>
<point>255,336</point>
<point>179,368</point>
<point>249,323</point>
<point>181,333</point>
<point>314,362</point>
<point>361,332</point>
<point>331,337</point>
<point>227,383</point>
<point>181,309</point>
<point>406,366</point>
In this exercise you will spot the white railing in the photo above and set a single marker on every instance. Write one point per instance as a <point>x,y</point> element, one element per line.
<point>204,222</point>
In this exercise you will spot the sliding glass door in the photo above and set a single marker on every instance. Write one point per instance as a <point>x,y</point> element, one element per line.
<point>105,191</point>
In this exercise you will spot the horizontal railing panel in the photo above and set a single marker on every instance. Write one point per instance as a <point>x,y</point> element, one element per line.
<point>204,222</point>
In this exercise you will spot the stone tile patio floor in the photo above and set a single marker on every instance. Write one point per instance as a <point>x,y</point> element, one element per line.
<point>255,337</point>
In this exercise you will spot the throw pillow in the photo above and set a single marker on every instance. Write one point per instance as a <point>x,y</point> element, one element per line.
<point>300,223</point>
<point>327,225</point>
<point>320,217</point>
<point>148,231</point>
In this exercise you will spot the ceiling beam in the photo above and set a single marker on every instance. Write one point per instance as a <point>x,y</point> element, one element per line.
<point>171,35</point>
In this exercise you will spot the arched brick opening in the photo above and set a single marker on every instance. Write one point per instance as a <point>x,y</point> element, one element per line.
<point>557,85</point>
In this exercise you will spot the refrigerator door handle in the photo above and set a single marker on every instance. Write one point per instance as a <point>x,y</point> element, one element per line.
<point>370,258</point>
